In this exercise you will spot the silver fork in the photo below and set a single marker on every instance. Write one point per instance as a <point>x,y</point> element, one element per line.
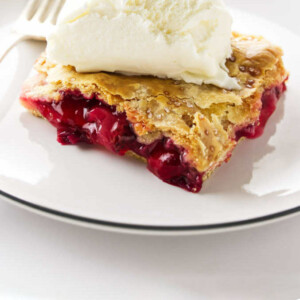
<point>34,23</point>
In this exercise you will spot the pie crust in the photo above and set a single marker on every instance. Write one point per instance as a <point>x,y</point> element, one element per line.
<point>204,123</point>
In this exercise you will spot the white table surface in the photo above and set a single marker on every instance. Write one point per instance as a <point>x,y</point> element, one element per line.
<point>44,259</point>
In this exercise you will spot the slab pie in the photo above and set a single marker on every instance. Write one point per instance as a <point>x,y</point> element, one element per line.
<point>182,131</point>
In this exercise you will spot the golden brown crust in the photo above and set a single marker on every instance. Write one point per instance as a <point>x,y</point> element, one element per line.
<point>202,119</point>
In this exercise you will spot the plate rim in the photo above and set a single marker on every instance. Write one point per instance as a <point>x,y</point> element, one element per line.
<point>114,226</point>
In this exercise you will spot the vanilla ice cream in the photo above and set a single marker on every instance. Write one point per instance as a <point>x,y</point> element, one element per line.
<point>186,40</point>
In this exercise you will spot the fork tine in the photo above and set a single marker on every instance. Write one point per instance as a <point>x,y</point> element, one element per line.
<point>55,10</point>
<point>28,11</point>
<point>42,10</point>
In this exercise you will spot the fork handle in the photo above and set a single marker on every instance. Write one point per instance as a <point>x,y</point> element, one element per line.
<point>12,40</point>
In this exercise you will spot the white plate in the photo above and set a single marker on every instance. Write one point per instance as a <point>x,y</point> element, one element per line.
<point>92,187</point>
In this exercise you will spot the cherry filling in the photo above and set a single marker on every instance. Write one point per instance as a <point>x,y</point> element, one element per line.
<point>82,120</point>
<point>92,121</point>
<point>269,100</point>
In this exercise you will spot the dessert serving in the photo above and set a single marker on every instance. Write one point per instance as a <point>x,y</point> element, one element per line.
<point>165,81</point>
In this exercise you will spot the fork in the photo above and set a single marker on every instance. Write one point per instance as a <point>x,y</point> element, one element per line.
<point>34,23</point>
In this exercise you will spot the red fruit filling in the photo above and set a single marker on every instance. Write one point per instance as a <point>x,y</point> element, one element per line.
<point>82,120</point>
<point>92,121</point>
<point>269,100</point>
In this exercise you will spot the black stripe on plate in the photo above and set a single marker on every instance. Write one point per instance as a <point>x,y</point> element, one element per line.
<point>289,212</point>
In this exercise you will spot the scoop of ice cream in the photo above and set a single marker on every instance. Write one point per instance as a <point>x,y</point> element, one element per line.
<point>186,40</point>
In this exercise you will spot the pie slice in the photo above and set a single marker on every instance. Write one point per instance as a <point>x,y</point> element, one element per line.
<point>183,131</point>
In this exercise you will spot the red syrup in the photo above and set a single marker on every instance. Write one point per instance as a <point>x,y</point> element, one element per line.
<point>89,120</point>
<point>269,100</point>
<point>82,120</point>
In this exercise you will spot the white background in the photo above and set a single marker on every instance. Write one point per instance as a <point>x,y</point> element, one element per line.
<point>44,259</point>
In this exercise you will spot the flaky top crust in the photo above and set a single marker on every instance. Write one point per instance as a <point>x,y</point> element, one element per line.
<point>203,119</point>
